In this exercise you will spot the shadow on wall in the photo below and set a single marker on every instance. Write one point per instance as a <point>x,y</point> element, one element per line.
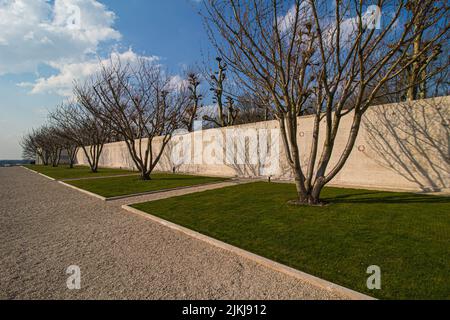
<point>247,151</point>
<point>126,159</point>
<point>254,152</point>
<point>413,140</point>
<point>168,163</point>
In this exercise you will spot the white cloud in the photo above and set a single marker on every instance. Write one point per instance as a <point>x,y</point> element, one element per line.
<point>348,25</point>
<point>176,82</point>
<point>208,110</point>
<point>286,22</point>
<point>62,82</point>
<point>35,32</point>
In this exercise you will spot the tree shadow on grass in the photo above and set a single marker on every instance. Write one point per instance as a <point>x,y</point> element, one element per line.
<point>178,179</point>
<point>384,198</point>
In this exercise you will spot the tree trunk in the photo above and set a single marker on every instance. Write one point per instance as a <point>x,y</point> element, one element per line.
<point>146,176</point>
<point>311,198</point>
<point>72,155</point>
<point>72,162</point>
<point>46,159</point>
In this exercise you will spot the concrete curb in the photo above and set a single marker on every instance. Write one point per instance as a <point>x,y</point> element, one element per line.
<point>329,286</point>
<point>135,195</point>
<point>102,177</point>
<point>42,175</point>
<point>163,191</point>
<point>83,191</point>
<point>84,178</point>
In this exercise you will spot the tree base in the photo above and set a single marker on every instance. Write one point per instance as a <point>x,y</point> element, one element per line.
<point>299,203</point>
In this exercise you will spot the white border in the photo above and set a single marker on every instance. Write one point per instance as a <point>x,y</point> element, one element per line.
<point>42,175</point>
<point>134,195</point>
<point>324,284</point>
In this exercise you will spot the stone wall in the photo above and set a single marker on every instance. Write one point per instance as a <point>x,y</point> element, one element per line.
<point>400,147</point>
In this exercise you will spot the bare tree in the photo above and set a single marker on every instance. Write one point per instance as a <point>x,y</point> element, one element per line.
<point>31,148</point>
<point>195,98</point>
<point>141,104</point>
<point>328,57</point>
<point>51,144</point>
<point>40,139</point>
<point>252,109</point>
<point>44,143</point>
<point>417,73</point>
<point>80,128</point>
<point>226,111</point>
<point>69,145</point>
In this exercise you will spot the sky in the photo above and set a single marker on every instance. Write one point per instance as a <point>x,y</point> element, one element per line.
<point>46,44</point>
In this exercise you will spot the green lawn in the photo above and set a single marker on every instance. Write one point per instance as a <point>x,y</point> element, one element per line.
<point>120,186</point>
<point>64,172</point>
<point>407,235</point>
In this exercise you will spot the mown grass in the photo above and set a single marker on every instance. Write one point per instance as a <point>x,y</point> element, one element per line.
<point>121,186</point>
<point>406,235</point>
<point>64,172</point>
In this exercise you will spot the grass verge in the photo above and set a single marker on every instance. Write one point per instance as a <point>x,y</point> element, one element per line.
<point>406,235</point>
<point>122,186</point>
<point>64,172</point>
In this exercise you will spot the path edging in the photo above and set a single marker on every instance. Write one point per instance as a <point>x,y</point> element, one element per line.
<point>163,191</point>
<point>83,191</point>
<point>100,177</point>
<point>324,284</point>
<point>82,178</point>
<point>63,182</point>
<point>42,175</point>
<point>134,195</point>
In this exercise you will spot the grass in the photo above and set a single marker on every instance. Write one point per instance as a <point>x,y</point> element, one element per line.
<point>407,235</point>
<point>64,172</point>
<point>120,186</point>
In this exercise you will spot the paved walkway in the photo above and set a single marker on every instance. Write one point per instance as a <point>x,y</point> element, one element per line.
<point>46,227</point>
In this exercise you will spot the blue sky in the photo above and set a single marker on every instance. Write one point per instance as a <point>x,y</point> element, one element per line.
<point>40,55</point>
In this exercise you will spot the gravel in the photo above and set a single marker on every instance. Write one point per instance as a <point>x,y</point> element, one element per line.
<point>46,227</point>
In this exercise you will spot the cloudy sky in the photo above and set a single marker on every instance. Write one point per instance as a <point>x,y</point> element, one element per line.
<point>45,45</point>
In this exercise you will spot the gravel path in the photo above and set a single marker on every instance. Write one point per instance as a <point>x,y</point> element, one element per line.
<point>46,227</point>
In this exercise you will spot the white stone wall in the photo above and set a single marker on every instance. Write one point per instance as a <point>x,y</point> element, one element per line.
<point>400,146</point>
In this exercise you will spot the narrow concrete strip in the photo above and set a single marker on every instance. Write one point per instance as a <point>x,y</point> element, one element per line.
<point>175,193</point>
<point>42,175</point>
<point>324,284</point>
<point>161,191</point>
<point>84,178</point>
<point>82,190</point>
<point>98,178</point>
<point>218,185</point>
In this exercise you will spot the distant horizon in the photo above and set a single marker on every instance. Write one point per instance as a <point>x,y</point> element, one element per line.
<point>4,160</point>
